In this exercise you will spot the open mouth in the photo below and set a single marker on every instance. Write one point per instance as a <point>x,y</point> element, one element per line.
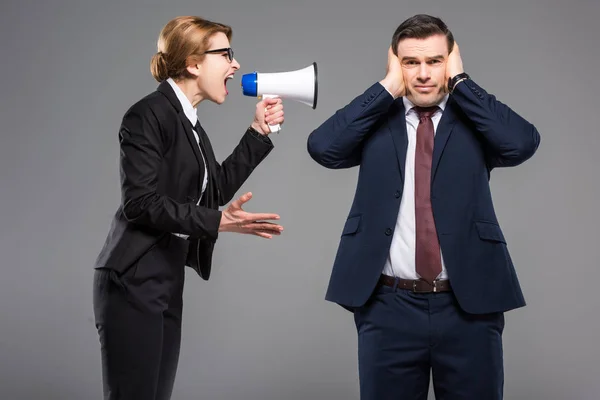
<point>225,83</point>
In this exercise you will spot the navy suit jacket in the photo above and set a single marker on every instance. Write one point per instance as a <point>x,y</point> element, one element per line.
<point>475,134</point>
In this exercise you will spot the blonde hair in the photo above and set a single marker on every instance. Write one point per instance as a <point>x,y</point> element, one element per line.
<point>181,43</point>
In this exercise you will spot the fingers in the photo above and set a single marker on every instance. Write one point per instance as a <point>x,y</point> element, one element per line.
<point>393,65</point>
<point>269,111</point>
<point>265,227</point>
<point>273,108</point>
<point>454,64</point>
<point>241,200</point>
<point>274,117</point>
<point>267,104</point>
<point>263,234</point>
<point>271,101</point>
<point>274,112</point>
<point>253,217</point>
<point>268,234</point>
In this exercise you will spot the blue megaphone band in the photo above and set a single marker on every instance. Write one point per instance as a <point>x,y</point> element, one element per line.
<point>249,84</point>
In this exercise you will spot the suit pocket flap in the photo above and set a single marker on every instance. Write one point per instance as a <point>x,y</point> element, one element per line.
<point>489,231</point>
<point>351,225</point>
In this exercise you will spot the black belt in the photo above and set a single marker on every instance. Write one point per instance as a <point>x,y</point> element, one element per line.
<point>417,286</point>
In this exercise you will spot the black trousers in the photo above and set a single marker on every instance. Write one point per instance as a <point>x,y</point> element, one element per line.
<point>138,317</point>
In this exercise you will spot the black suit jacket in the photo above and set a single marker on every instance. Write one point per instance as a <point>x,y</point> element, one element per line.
<point>162,172</point>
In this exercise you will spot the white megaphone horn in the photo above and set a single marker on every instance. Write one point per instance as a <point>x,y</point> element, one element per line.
<point>300,85</point>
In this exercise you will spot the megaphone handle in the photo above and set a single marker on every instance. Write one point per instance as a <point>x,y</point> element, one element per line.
<point>274,128</point>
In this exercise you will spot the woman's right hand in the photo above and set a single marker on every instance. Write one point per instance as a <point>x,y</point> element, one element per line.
<point>234,219</point>
<point>269,111</point>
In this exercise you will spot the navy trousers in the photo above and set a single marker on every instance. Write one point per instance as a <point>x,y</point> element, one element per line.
<point>405,336</point>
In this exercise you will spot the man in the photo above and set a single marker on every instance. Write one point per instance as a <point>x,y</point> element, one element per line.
<point>422,261</point>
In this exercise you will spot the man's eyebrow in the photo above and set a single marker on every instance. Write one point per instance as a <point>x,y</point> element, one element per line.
<point>438,57</point>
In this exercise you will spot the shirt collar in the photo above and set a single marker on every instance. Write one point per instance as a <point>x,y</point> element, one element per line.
<point>188,109</point>
<point>408,105</point>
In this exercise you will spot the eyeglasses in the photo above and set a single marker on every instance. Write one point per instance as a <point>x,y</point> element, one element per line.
<point>229,51</point>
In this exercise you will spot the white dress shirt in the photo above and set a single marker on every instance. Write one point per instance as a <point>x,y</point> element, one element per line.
<point>401,259</point>
<point>190,113</point>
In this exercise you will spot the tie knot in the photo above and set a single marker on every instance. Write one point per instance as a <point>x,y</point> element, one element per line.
<point>425,112</point>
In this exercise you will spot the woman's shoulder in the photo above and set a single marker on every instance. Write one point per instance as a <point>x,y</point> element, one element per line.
<point>153,105</point>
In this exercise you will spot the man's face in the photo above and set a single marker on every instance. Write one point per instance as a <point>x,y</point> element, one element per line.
<point>424,68</point>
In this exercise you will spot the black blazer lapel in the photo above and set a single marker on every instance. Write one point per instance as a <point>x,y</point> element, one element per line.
<point>397,127</point>
<point>442,133</point>
<point>211,167</point>
<point>166,89</point>
<point>189,133</point>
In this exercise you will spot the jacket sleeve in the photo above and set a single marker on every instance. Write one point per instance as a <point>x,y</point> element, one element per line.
<point>141,158</point>
<point>508,138</point>
<point>338,142</point>
<point>235,169</point>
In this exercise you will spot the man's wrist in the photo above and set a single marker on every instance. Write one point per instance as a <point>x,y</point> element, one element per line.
<point>456,79</point>
<point>392,87</point>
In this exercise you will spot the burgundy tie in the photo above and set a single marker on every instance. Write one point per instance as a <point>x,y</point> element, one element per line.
<point>427,253</point>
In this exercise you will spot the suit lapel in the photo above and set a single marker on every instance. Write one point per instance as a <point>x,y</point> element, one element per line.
<point>189,133</point>
<point>442,133</point>
<point>397,127</point>
<point>166,89</point>
<point>211,162</point>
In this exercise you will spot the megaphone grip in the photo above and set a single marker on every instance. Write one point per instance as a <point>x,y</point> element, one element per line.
<point>276,127</point>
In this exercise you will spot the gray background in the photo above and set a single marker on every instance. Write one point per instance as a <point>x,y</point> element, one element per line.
<point>260,329</point>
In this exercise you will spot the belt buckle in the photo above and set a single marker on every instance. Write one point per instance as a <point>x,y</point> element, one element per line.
<point>414,287</point>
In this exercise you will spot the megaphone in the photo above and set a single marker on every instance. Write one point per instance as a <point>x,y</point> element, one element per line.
<point>300,85</point>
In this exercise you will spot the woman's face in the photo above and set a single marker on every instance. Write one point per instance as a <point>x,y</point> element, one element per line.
<point>216,69</point>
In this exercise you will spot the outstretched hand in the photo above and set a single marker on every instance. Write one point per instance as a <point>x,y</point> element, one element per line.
<point>235,219</point>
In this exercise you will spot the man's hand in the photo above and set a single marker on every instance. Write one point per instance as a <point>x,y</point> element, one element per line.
<point>268,112</point>
<point>394,79</point>
<point>234,219</point>
<point>454,65</point>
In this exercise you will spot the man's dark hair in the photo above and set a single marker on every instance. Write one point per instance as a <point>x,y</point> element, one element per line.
<point>421,26</point>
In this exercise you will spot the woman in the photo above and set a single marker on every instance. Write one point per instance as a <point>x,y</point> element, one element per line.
<point>171,188</point>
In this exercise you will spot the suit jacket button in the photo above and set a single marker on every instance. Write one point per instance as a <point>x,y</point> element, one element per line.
<point>397,194</point>
<point>388,232</point>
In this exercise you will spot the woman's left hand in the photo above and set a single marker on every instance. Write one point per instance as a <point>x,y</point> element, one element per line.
<point>268,112</point>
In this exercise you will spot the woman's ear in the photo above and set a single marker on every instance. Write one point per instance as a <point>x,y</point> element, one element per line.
<point>194,69</point>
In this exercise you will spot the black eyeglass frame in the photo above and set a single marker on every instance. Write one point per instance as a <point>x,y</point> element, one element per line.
<point>229,51</point>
